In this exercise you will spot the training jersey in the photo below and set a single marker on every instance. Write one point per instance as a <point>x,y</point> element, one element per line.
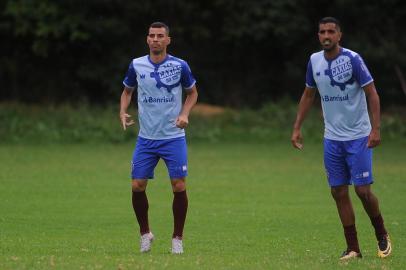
<point>159,94</point>
<point>339,82</point>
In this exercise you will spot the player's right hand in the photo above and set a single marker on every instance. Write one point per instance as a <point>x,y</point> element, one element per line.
<point>296,139</point>
<point>124,121</point>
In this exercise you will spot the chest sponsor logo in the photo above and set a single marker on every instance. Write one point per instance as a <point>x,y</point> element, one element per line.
<point>339,98</point>
<point>146,99</point>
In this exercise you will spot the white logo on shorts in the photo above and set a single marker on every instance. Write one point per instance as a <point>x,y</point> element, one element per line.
<point>184,168</point>
<point>362,175</point>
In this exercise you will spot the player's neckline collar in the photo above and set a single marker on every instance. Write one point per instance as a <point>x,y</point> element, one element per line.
<point>340,52</point>
<point>157,64</point>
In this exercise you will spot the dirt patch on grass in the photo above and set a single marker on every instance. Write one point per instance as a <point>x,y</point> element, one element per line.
<point>207,110</point>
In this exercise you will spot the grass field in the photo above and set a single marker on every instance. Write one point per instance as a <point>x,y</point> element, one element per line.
<point>254,206</point>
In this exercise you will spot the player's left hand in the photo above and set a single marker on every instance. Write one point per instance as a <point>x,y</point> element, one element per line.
<point>297,139</point>
<point>182,121</point>
<point>374,138</point>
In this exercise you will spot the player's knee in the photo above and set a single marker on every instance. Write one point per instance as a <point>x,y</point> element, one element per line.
<point>364,194</point>
<point>178,185</point>
<point>138,186</point>
<point>339,193</point>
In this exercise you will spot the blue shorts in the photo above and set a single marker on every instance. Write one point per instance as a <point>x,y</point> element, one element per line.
<point>148,152</point>
<point>348,162</point>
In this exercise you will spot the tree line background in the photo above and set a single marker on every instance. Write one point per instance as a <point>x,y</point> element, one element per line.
<point>242,53</point>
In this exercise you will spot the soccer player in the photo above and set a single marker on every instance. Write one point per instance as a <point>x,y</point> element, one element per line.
<point>344,83</point>
<point>160,79</point>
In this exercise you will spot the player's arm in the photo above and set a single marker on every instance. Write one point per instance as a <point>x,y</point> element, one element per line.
<point>304,106</point>
<point>191,98</point>
<point>125,101</point>
<point>374,138</point>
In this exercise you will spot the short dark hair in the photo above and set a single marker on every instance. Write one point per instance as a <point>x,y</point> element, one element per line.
<point>330,20</point>
<point>160,25</point>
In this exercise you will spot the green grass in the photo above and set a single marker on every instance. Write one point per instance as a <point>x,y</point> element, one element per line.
<point>84,123</point>
<point>251,206</point>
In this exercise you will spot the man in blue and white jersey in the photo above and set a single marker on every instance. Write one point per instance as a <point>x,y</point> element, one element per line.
<point>160,80</point>
<point>345,84</point>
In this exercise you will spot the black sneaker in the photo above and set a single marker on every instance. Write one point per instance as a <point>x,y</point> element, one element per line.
<point>349,254</point>
<point>384,247</point>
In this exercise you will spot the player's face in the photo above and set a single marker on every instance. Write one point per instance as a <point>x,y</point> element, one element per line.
<point>158,40</point>
<point>329,36</point>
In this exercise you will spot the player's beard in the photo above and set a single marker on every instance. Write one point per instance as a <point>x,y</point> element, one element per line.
<point>330,48</point>
<point>156,51</point>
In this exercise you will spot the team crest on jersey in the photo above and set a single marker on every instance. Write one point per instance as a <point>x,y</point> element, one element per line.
<point>340,71</point>
<point>168,74</point>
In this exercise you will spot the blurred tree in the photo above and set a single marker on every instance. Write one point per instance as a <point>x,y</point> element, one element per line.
<point>243,53</point>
